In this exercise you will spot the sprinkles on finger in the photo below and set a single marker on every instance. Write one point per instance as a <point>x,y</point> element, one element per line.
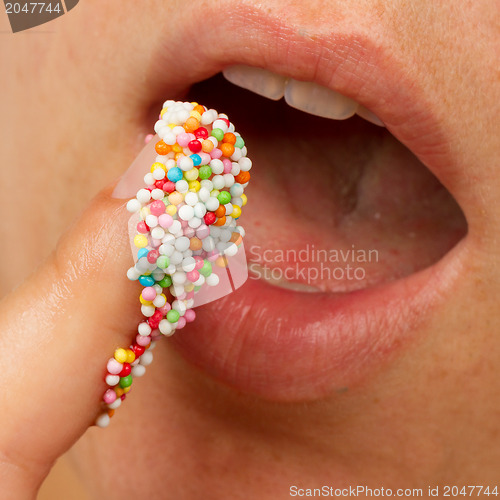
<point>187,215</point>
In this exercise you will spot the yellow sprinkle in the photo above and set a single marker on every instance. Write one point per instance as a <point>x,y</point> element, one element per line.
<point>194,186</point>
<point>130,355</point>
<point>221,262</point>
<point>176,148</point>
<point>196,115</point>
<point>156,165</point>
<point>171,210</point>
<point>214,192</point>
<point>144,301</point>
<point>163,111</point>
<point>194,104</point>
<point>140,241</point>
<point>127,389</point>
<point>236,212</point>
<point>189,288</point>
<point>121,355</point>
<point>145,212</point>
<point>191,175</point>
<point>172,125</point>
<point>244,199</point>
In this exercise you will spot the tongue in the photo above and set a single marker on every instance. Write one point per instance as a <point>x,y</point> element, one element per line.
<point>335,205</point>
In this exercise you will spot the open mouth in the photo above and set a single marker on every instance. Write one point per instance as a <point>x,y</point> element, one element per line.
<point>351,238</point>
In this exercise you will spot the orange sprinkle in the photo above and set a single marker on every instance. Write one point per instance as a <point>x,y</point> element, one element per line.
<point>111,413</point>
<point>195,244</point>
<point>235,238</point>
<point>207,146</point>
<point>191,124</point>
<point>162,148</point>
<point>221,211</point>
<point>200,109</point>
<point>221,261</point>
<point>119,391</point>
<point>227,149</point>
<point>178,155</point>
<point>221,221</point>
<point>242,177</point>
<point>229,138</point>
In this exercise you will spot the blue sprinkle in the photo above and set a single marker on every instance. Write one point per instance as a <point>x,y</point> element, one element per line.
<point>174,174</point>
<point>146,280</point>
<point>196,159</point>
<point>143,252</point>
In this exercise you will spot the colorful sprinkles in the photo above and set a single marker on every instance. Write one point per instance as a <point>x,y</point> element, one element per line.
<point>187,223</point>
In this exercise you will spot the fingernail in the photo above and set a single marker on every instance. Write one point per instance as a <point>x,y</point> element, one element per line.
<point>133,179</point>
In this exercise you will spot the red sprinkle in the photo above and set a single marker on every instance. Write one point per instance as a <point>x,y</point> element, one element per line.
<point>125,370</point>
<point>209,218</point>
<point>138,350</point>
<point>154,320</point>
<point>195,146</point>
<point>169,187</point>
<point>201,133</point>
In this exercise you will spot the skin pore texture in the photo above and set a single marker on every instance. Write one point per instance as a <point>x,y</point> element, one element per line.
<point>80,96</point>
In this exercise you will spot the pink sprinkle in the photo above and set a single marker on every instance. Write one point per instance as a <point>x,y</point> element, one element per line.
<point>190,295</point>
<point>142,227</point>
<point>184,223</point>
<point>155,243</point>
<point>212,255</point>
<point>114,367</point>
<point>164,310</point>
<point>143,341</point>
<point>182,296</point>
<point>109,396</point>
<point>157,207</point>
<point>216,153</point>
<point>199,262</point>
<point>228,166</point>
<point>148,138</point>
<point>183,140</point>
<point>180,324</point>
<point>165,220</point>
<point>193,275</point>
<point>205,158</point>
<point>203,231</point>
<point>149,293</point>
<point>153,256</point>
<point>189,232</point>
<point>189,315</point>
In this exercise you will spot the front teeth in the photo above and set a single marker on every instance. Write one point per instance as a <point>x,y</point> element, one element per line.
<point>306,96</point>
<point>260,81</point>
<point>320,101</point>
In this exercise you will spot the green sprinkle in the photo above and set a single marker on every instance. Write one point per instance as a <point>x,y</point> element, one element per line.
<point>224,197</point>
<point>206,270</point>
<point>166,281</point>
<point>126,381</point>
<point>205,172</point>
<point>162,261</point>
<point>239,142</point>
<point>173,316</point>
<point>218,134</point>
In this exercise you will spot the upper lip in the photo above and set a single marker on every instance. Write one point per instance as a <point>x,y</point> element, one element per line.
<point>352,329</point>
<point>358,64</point>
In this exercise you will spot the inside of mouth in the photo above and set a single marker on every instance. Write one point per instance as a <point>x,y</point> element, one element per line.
<point>333,205</point>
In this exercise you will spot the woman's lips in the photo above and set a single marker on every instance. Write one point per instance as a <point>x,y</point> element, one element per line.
<point>289,345</point>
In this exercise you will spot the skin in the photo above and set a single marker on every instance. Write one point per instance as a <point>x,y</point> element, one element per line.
<point>428,417</point>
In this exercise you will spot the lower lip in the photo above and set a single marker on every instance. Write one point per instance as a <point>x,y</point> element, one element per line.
<point>284,345</point>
